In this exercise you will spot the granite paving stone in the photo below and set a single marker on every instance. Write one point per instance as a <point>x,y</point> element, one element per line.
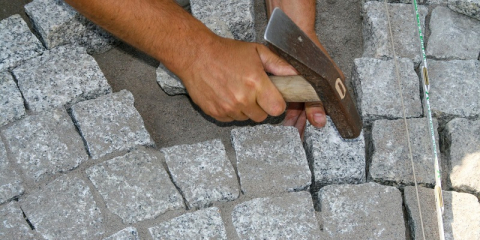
<point>10,182</point>
<point>202,172</point>
<point>64,209</point>
<point>128,233</point>
<point>364,211</point>
<point>13,225</point>
<point>60,77</point>
<point>202,224</point>
<point>470,8</point>
<point>135,186</point>
<point>18,42</point>
<point>110,123</point>
<point>390,160</point>
<point>377,92</point>
<point>11,101</point>
<point>453,35</point>
<point>455,88</point>
<point>290,216</point>
<point>463,137</point>
<point>334,160</point>
<point>270,159</point>
<point>45,144</point>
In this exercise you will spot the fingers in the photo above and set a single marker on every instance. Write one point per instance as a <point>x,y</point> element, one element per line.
<point>316,114</point>
<point>274,64</point>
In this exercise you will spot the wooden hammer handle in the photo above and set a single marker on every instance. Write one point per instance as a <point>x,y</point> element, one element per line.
<point>295,89</point>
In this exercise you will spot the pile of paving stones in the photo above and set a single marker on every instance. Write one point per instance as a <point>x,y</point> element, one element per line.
<point>76,161</point>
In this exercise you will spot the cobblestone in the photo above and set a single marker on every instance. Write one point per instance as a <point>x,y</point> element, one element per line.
<point>13,224</point>
<point>11,101</point>
<point>129,233</point>
<point>10,182</point>
<point>470,8</point>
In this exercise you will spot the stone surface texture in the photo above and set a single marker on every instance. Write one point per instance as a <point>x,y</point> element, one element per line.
<point>364,211</point>
<point>60,77</point>
<point>129,233</point>
<point>13,225</point>
<point>110,123</point>
<point>11,101</point>
<point>470,8</point>
<point>291,216</point>
<point>202,172</point>
<point>64,209</point>
<point>17,43</point>
<point>334,160</point>
<point>202,224</point>
<point>135,186</point>
<point>10,182</point>
<point>169,82</point>
<point>45,144</point>
<point>270,159</point>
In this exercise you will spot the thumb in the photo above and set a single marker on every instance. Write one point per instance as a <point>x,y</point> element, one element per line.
<point>274,64</point>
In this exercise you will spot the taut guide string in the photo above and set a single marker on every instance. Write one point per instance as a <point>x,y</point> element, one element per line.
<point>426,87</point>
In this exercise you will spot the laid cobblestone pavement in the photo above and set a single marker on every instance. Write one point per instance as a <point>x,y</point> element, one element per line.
<point>76,161</point>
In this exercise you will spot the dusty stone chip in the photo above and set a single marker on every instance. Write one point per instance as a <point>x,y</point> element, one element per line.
<point>10,182</point>
<point>11,101</point>
<point>13,225</point>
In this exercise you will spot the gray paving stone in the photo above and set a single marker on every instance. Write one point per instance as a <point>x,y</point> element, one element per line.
<point>290,216</point>
<point>364,211</point>
<point>470,8</point>
<point>238,15</point>
<point>376,36</point>
<point>377,92</point>
<point>464,138</point>
<point>13,225</point>
<point>270,159</point>
<point>202,172</point>
<point>45,144</point>
<point>10,182</point>
<point>201,224</point>
<point>455,88</point>
<point>453,35</point>
<point>64,209</point>
<point>334,160</point>
<point>60,77</point>
<point>129,233</point>
<point>11,101</point>
<point>110,123</point>
<point>135,186</point>
<point>18,42</point>
<point>390,160</point>
<point>218,26</point>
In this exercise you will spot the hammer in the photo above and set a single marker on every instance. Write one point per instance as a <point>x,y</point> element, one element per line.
<point>320,79</point>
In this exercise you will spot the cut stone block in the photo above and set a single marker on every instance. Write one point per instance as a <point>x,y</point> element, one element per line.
<point>18,43</point>
<point>129,233</point>
<point>270,159</point>
<point>60,77</point>
<point>377,91</point>
<point>364,211</point>
<point>11,101</point>
<point>218,26</point>
<point>135,186</point>
<point>464,138</point>
<point>377,43</point>
<point>45,144</point>
<point>13,225</point>
<point>201,224</point>
<point>64,209</point>
<point>390,160</point>
<point>470,8</point>
<point>461,216</point>
<point>203,173</point>
<point>455,88</point>
<point>334,160</point>
<point>10,183</point>
<point>110,123</point>
<point>291,216</point>
<point>453,35</point>
<point>238,15</point>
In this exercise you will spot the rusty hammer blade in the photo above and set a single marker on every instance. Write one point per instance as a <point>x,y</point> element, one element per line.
<point>317,69</point>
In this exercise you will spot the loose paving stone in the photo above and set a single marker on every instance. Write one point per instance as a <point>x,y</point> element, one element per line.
<point>270,159</point>
<point>11,101</point>
<point>453,35</point>
<point>464,138</point>
<point>238,15</point>
<point>364,211</point>
<point>461,216</point>
<point>201,224</point>
<point>10,183</point>
<point>18,42</point>
<point>64,209</point>
<point>135,186</point>
<point>60,77</point>
<point>377,92</point>
<point>333,159</point>
<point>45,144</point>
<point>470,8</point>
<point>202,172</point>
<point>376,36</point>
<point>13,225</point>
<point>291,216</point>
<point>110,123</point>
<point>390,160</point>
<point>455,88</point>
<point>129,233</point>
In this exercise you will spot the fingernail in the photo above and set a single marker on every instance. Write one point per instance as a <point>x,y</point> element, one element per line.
<point>318,118</point>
